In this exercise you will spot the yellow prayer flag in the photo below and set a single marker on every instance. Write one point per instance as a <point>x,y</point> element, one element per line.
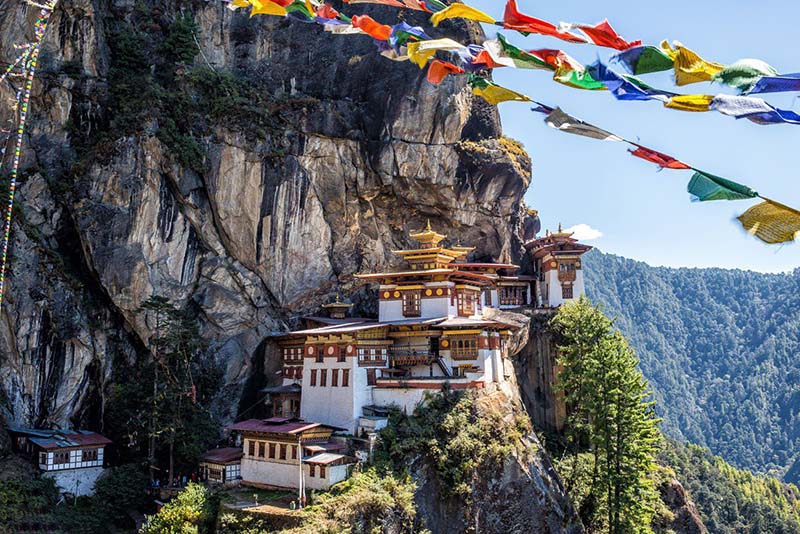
<point>689,67</point>
<point>772,222</point>
<point>460,11</point>
<point>494,94</point>
<point>236,4</point>
<point>420,52</point>
<point>266,7</point>
<point>689,102</point>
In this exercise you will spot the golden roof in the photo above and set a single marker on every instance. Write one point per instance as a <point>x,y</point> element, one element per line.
<point>561,233</point>
<point>428,236</point>
<point>337,304</point>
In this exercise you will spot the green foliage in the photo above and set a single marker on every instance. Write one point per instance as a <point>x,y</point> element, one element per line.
<point>719,348</point>
<point>180,45</point>
<point>610,418</point>
<point>458,440</point>
<point>122,489</point>
<point>193,511</point>
<point>732,500</point>
<point>368,502</point>
<point>26,503</point>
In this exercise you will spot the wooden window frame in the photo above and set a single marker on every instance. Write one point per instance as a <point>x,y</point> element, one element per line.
<point>322,471</point>
<point>334,378</point>
<point>311,470</point>
<point>294,452</point>
<point>412,303</point>
<point>262,449</point>
<point>323,378</point>
<point>272,451</point>
<point>466,303</point>
<point>313,378</point>
<point>251,450</point>
<point>567,292</point>
<point>345,378</point>
<point>282,452</point>
<point>372,376</point>
<point>463,348</point>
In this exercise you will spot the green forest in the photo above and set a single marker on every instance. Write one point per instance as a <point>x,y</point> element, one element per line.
<point>719,350</point>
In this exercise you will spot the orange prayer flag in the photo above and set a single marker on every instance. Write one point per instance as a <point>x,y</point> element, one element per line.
<point>439,70</point>
<point>372,28</point>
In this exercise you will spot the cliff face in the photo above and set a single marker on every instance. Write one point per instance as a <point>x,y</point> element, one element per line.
<point>245,214</point>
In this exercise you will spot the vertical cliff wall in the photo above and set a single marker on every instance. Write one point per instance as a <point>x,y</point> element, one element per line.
<point>245,168</point>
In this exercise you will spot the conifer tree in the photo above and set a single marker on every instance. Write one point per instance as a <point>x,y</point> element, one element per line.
<point>610,417</point>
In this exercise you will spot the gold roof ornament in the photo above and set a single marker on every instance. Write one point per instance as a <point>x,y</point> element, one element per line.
<point>337,304</point>
<point>427,238</point>
<point>562,233</point>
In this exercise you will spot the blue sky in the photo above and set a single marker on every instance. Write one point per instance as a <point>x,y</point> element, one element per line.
<point>645,214</point>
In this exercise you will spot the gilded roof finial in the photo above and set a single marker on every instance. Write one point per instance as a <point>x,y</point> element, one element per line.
<point>559,228</point>
<point>428,226</point>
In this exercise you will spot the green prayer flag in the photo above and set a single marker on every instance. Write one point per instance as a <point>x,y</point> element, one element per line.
<point>519,58</point>
<point>704,186</point>
<point>744,74</point>
<point>653,59</point>
<point>580,79</point>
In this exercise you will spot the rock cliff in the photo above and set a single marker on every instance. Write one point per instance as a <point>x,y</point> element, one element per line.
<point>243,168</point>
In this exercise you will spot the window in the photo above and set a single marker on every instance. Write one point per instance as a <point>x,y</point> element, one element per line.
<point>334,377</point>
<point>411,304</point>
<point>320,356</point>
<point>513,295</point>
<point>487,297</point>
<point>313,377</point>
<point>566,292</point>
<point>262,447</point>
<point>61,457</point>
<point>89,455</point>
<point>272,450</point>
<point>311,470</point>
<point>43,458</point>
<point>294,452</point>
<point>341,356</point>
<point>371,376</point>
<point>463,348</point>
<point>282,452</point>
<point>322,471</point>
<point>298,373</point>
<point>466,303</point>
<point>323,377</point>
<point>345,377</point>
<point>215,474</point>
<point>252,451</point>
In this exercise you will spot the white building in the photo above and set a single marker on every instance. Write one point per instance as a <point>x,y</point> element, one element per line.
<point>436,324</point>
<point>72,458</point>
<point>291,453</point>
<point>222,466</point>
<point>557,263</point>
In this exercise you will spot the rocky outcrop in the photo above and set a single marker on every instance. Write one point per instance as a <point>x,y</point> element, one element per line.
<point>685,516</point>
<point>267,219</point>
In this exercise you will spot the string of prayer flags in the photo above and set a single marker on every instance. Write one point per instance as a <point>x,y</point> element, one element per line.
<point>263,7</point>
<point>407,4</point>
<point>644,59</point>
<point>602,34</point>
<point>403,32</point>
<point>662,160</point>
<point>561,121</point>
<point>704,187</point>
<point>513,19</point>
<point>754,109</point>
<point>493,93</point>
<point>462,11</point>
<point>695,103</point>
<point>626,87</point>
<point>439,70</point>
<point>744,74</point>
<point>689,67</point>
<point>422,51</point>
<point>771,222</point>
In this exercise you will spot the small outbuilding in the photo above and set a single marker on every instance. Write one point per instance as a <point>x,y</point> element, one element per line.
<point>222,466</point>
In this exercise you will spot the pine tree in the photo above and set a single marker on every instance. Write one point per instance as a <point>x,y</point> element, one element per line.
<point>610,416</point>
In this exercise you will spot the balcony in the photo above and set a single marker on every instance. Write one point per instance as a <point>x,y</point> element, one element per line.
<point>410,355</point>
<point>567,276</point>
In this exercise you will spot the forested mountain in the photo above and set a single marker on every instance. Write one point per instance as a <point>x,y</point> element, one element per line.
<point>720,350</point>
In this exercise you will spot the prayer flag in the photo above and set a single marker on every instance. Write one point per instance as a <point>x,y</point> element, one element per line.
<point>772,222</point>
<point>566,123</point>
<point>602,34</point>
<point>267,7</point>
<point>403,32</point>
<point>689,67</point>
<point>625,87</point>
<point>514,20</point>
<point>372,28</point>
<point>644,59</point>
<point>578,78</point>
<point>493,93</point>
<point>504,53</point>
<point>393,3</point>
<point>776,84</point>
<point>461,11</point>
<point>755,109</point>
<point>704,186</point>
<point>439,70</point>
<point>662,160</point>
<point>744,74</point>
<point>689,102</point>
<point>421,52</point>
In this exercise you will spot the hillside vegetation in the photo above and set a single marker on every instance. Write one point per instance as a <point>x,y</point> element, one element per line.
<point>719,348</point>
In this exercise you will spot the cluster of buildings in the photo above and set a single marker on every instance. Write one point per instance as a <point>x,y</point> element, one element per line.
<point>438,324</point>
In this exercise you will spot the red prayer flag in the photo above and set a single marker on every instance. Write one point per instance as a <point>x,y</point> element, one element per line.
<point>372,28</point>
<point>557,58</point>
<point>282,3</point>
<point>485,60</point>
<point>514,20</point>
<point>602,34</point>
<point>439,70</point>
<point>662,160</point>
